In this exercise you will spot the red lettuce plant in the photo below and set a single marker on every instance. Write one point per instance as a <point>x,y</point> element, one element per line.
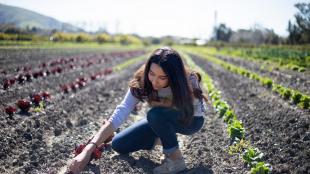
<point>24,105</point>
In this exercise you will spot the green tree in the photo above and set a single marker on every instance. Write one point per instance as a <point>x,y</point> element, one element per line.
<point>299,33</point>
<point>222,33</point>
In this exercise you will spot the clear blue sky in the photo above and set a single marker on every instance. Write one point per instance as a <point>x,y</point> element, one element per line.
<point>188,18</point>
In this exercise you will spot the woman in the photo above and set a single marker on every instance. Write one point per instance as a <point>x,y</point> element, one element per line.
<point>177,106</point>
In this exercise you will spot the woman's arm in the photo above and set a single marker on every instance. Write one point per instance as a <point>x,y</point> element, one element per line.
<point>122,111</point>
<point>104,133</point>
<point>119,115</point>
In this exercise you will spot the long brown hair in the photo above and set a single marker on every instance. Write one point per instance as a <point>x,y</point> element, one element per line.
<point>171,63</point>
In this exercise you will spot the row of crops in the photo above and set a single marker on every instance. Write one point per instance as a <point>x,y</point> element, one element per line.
<point>36,102</point>
<point>297,59</point>
<point>236,131</point>
<point>298,98</point>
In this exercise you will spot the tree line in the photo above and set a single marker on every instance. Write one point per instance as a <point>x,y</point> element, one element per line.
<point>299,32</point>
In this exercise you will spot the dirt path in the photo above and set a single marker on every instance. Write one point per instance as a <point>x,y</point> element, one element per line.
<point>280,130</point>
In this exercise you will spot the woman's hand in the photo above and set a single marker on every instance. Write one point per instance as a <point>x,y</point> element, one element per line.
<point>78,163</point>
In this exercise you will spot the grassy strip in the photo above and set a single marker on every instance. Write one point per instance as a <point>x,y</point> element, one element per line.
<point>251,156</point>
<point>129,62</point>
<point>296,97</point>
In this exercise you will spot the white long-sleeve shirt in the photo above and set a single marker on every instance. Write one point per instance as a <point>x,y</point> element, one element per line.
<point>122,111</point>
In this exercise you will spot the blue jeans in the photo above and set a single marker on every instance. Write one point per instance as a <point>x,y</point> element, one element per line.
<point>161,122</point>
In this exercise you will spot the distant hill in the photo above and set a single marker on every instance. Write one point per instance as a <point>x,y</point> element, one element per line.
<point>22,18</point>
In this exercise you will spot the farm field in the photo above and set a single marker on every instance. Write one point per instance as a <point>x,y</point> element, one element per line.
<point>69,92</point>
<point>274,123</point>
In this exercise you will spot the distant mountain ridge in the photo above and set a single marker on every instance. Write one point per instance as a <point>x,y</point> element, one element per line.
<point>23,18</point>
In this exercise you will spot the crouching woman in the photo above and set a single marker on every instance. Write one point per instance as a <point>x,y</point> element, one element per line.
<point>177,106</point>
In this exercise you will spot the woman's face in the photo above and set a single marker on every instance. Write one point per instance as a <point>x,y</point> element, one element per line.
<point>157,77</point>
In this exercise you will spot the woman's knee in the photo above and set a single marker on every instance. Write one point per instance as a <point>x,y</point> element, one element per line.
<point>155,115</point>
<point>118,146</point>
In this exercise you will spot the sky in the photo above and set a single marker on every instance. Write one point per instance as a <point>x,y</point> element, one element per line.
<point>187,18</point>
